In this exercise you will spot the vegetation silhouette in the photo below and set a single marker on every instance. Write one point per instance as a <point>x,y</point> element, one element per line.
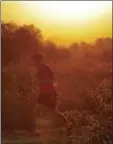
<point>83,74</point>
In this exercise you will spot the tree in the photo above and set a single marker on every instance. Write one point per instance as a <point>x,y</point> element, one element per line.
<point>19,42</point>
<point>104,47</point>
<point>74,47</point>
<point>50,51</point>
<point>7,42</point>
<point>63,53</point>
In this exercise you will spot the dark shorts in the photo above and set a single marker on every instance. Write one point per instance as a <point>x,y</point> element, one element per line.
<point>48,99</point>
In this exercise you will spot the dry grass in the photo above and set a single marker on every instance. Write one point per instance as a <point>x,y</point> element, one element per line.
<point>85,96</point>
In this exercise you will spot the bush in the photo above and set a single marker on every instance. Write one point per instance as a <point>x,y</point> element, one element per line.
<point>18,98</point>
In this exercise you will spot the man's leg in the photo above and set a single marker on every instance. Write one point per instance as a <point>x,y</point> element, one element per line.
<point>61,115</point>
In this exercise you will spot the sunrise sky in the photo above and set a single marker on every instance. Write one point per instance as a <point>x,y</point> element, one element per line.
<point>63,22</point>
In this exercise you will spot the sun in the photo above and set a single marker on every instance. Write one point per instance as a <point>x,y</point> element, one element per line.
<point>65,11</point>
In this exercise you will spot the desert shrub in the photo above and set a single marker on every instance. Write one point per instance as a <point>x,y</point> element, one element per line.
<point>18,98</point>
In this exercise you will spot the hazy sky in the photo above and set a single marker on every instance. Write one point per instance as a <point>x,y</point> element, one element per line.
<point>63,22</point>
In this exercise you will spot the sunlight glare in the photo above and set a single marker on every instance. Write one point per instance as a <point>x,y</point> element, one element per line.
<point>66,10</point>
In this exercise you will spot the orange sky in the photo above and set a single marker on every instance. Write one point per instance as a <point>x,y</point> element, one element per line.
<point>63,22</point>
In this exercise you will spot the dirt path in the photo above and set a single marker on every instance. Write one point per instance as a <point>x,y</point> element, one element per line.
<point>54,136</point>
<point>41,137</point>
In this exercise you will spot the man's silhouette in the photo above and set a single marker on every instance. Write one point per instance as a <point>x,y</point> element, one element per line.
<point>47,91</point>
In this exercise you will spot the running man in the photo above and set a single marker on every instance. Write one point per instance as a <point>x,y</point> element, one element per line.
<point>47,91</point>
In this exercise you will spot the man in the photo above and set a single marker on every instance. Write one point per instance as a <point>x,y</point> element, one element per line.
<point>47,91</point>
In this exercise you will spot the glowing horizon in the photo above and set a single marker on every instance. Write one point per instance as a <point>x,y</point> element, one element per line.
<point>63,22</point>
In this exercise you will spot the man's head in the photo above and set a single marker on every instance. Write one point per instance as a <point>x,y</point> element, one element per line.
<point>38,58</point>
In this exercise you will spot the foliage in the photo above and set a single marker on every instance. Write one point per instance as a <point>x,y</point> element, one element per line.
<point>83,74</point>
